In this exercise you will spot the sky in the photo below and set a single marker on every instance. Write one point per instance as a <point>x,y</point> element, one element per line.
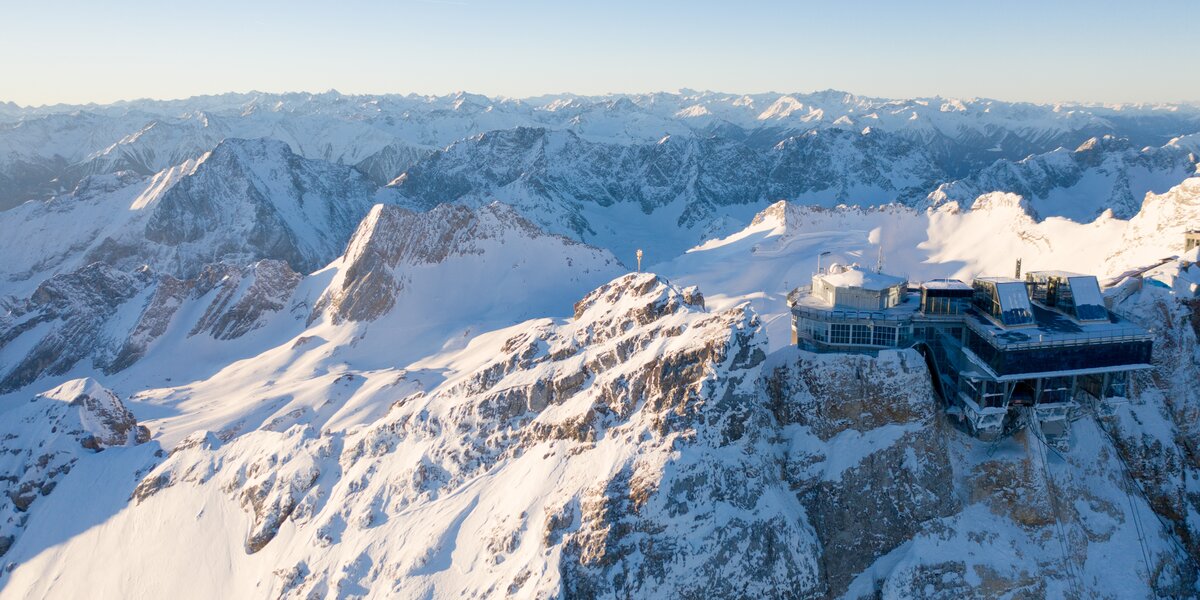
<point>80,51</point>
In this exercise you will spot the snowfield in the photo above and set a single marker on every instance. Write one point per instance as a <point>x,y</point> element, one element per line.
<point>299,346</point>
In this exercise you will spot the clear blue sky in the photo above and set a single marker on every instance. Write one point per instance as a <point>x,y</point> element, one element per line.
<point>88,50</point>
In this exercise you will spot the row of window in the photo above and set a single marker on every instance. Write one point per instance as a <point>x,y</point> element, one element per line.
<point>851,333</point>
<point>946,306</point>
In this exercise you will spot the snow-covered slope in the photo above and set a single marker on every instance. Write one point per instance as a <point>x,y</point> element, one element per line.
<point>332,389</point>
<point>45,438</point>
<point>689,187</point>
<point>1101,174</point>
<point>244,201</point>
<point>46,149</point>
<point>647,446</point>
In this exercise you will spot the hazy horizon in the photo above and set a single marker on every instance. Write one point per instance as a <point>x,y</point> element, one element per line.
<point>682,91</point>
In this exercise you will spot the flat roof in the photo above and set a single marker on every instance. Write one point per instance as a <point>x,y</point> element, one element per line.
<point>1049,327</point>
<point>1057,273</point>
<point>802,299</point>
<point>1000,279</point>
<point>1052,328</point>
<point>857,277</point>
<point>945,284</point>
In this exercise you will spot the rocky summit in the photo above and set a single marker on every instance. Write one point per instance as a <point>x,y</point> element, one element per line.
<point>350,346</point>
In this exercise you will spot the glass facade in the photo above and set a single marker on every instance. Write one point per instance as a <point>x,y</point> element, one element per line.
<point>854,334</point>
<point>1007,301</point>
<point>1075,295</point>
<point>946,297</point>
<point>884,336</point>
<point>1059,358</point>
<point>985,393</point>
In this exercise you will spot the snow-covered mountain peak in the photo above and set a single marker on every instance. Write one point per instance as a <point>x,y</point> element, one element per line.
<point>46,436</point>
<point>1104,143</point>
<point>1003,201</point>
<point>782,108</point>
<point>97,412</point>
<point>468,102</point>
<point>482,253</point>
<point>637,297</point>
<point>268,201</point>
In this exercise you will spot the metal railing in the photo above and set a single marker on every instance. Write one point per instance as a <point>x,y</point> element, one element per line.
<point>1083,338</point>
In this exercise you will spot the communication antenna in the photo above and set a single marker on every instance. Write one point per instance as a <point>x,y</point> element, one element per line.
<point>826,253</point>
<point>639,258</point>
<point>1018,275</point>
<point>879,261</point>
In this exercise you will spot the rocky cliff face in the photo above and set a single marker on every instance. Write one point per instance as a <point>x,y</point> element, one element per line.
<point>252,199</point>
<point>245,201</point>
<point>1104,173</point>
<point>866,452</point>
<point>42,440</point>
<point>556,178</point>
<point>391,162</point>
<point>393,247</point>
<point>648,446</point>
<point>114,317</point>
<point>63,321</point>
<point>1158,437</point>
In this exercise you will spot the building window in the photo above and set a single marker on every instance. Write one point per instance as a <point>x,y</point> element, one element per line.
<point>884,336</point>
<point>861,335</point>
<point>1055,390</point>
<point>839,333</point>
<point>1118,385</point>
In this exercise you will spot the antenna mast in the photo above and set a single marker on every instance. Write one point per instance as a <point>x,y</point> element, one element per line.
<point>639,259</point>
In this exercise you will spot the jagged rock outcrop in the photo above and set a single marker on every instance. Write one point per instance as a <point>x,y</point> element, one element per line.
<point>691,504</point>
<point>41,440</point>
<point>1103,173</point>
<point>62,321</point>
<point>868,454</point>
<point>392,244</point>
<point>559,179</point>
<point>114,317</point>
<point>245,201</point>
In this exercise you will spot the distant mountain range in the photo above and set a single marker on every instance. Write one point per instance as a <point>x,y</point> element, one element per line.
<point>318,345</point>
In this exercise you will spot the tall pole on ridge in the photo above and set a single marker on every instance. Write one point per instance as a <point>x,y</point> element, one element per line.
<point>819,260</point>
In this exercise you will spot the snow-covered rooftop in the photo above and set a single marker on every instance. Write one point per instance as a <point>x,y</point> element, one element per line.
<point>857,277</point>
<point>1055,273</point>
<point>945,284</point>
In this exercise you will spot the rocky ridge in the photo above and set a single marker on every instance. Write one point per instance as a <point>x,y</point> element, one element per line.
<point>42,441</point>
<point>114,317</point>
